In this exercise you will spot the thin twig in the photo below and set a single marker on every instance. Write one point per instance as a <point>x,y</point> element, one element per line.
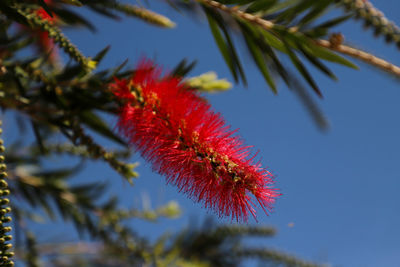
<point>344,49</point>
<point>361,55</point>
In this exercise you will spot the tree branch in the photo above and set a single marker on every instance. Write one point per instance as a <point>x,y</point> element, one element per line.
<point>344,49</point>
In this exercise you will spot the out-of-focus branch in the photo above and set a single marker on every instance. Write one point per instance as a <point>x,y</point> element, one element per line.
<point>142,13</point>
<point>373,17</point>
<point>74,248</point>
<point>79,137</point>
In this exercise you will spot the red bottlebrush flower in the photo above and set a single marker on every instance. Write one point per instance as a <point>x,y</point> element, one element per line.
<point>44,15</point>
<point>176,130</point>
<point>45,43</point>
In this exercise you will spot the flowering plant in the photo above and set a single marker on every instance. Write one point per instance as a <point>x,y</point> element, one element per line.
<point>177,131</point>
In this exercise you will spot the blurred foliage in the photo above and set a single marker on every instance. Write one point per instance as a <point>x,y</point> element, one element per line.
<point>67,105</point>
<point>208,82</point>
<point>209,245</point>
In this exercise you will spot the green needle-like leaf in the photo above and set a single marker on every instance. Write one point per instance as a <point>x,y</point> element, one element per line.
<point>258,56</point>
<point>317,63</point>
<point>328,55</point>
<point>302,69</point>
<point>225,45</point>
<point>97,124</point>
<point>261,5</point>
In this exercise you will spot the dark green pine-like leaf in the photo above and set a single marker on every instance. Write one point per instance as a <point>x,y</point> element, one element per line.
<point>274,41</point>
<point>225,44</point>
<point>222,46</point>
<point>322,29</point>
<point>100,55</point>
<point>315,12</point>
<point>183,68</point>
<point>102,11</point>
<point>99,126</point>
<point>257,55</point>
<point>25,192</point>
<point>69,72</point>
<point>302,69</point>
<point>317,63</point>
<point>278,67</point>
<point>328,55</point>
<point>175,5</point>
<point>307,100</point>
<point>43,200</point>
<point>53,176</point>
<point>291,81</point>
<point>64,209</point>
<point>38,136</point>
<point>19,44</point>
<point>267,42</point>
<point>261,5</point>
<point>91,191</point>
<point>282,5</point>
<point>293,40</point>
<point>116,70</point>
<point>291,13</point>
<point>72,18</point>
<point>236,2</point>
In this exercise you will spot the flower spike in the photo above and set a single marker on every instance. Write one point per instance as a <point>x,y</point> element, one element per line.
<point>176,130</point>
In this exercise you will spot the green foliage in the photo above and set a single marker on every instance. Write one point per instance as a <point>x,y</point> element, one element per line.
<point>274,31</point>
<point>292,29</point>
<point>207,246</point>
<point>225,44</point>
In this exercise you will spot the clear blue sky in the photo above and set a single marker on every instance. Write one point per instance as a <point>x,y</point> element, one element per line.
<point>340,188</point>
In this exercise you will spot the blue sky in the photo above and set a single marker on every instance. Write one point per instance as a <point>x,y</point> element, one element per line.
<point>340,188</point>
